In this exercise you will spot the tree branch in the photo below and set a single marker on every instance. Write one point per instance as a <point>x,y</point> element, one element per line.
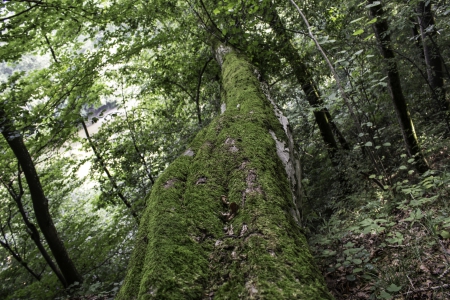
<point>18,14</point>
<point>108,174</point>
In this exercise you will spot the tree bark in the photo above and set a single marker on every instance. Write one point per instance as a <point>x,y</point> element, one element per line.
<point>40,202</point>
<point>221,220</point>
<point>395,89</point>
<point>431,54</point>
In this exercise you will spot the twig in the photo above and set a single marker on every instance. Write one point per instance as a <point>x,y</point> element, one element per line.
<point>428,289</point>
<point>410,281</point>
<point>443,274</point>
<point>445,251</point>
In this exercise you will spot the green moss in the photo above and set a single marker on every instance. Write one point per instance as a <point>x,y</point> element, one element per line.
<point>182,249</point>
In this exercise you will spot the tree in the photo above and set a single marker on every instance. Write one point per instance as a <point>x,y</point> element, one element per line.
<point>221,220</point>
<point>327,128</point>
<point>431,53</point>
<point>226,201</point>
<point>395,87</point>
<point>40,203</point>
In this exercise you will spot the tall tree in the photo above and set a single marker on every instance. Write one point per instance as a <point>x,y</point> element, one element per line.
<point>221,220</point>
<point>32,231</point>
<point>383,37</point>
<point>431,53</point>
<point>327,128</point>
<point>40,202</point>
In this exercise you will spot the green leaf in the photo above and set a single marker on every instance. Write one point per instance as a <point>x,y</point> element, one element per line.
<point>393,288</point>
<point>356,20</point>
<point>349,245</point>
<point>369,37</point>
<point>387,144</point>
<point>374,20</point>
<point>385,295</point>
<point>374,3</point>
<point>358,32</point>
<point>445,234</point>
<point>351,277</point>
<point>368,144</point>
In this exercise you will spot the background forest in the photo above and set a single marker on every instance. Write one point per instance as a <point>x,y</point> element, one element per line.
<point>99,97</point>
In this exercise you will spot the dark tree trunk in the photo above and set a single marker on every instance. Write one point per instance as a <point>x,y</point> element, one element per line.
<point>221,220</point>
<point>431,54</point>
<point>327,128</point>
<point>395,89</point>
<point>111,179</point>
<point>35,236</point>
<point>40,202</point>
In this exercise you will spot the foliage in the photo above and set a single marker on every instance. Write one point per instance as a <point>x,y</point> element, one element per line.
<point>369,215</point>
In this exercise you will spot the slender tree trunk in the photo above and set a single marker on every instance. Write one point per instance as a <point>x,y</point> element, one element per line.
<point>432,57</point>
<point>327,128</point>
<point>221,221</point>
<point>40,202</point>
<point>395,89</point>
<point>16,254</point>
<point>35,236</point>
<point>111,179</point>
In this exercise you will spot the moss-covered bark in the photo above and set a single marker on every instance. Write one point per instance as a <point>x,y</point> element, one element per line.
<point>219,223</point>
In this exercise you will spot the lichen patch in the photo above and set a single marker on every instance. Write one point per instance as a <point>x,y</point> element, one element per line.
<point>189,152</point>
<point>223,108</point>
<point>252,185</point>
<point>201,180</point>
<point>170,183</point>
<point>251,289</point>
<point>231,145</point>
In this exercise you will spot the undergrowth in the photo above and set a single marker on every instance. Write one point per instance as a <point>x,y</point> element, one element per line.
<point>388,244</point>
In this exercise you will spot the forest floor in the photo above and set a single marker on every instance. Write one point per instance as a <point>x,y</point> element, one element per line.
<point>394,246</point>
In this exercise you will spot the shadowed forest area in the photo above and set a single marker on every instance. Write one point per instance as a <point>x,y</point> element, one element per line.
<point>224,149</point>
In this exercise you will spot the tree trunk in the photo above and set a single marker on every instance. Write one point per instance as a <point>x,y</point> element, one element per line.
<point>221,220</point>
<point>40,202</point>
<point>395,89</point>
<point>323,118</point>
<point>111,179</point>
<point>431,54</point>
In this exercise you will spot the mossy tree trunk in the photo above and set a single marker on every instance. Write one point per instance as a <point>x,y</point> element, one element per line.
<point>395,88</point>
<point>222,222</point>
